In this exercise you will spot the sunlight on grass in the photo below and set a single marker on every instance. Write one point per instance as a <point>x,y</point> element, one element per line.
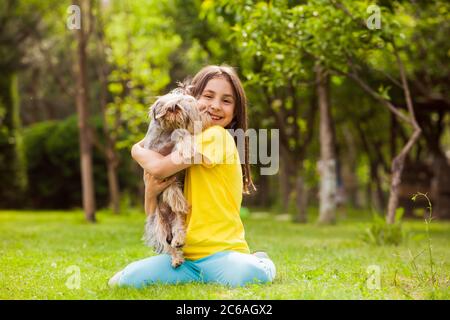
<point>37,250</point>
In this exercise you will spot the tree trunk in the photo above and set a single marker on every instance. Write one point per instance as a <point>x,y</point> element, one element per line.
<point>285,183</point>
<point>380,201</point>
<point>327,166</point>
<point>301,199</point>
<point>440,182</point>
<point>12,154</point>
<point>263,199</point>
<point>111,156</point>
<point>440,187</point>
<point>369,195</point>
<point>348,172</point>
<point>87,180</point>
<point>399,161</point>
<point>397,168</point>
<point>113,181</point>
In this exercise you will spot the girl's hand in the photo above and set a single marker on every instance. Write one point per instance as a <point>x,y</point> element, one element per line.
<point>154,186</point>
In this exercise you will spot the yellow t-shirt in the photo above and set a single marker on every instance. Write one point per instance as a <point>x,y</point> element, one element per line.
<point>213,188</point>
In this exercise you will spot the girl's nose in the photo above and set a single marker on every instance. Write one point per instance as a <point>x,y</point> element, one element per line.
<point>214,105</point>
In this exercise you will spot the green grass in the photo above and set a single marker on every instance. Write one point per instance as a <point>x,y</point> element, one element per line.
<point>313,262</point>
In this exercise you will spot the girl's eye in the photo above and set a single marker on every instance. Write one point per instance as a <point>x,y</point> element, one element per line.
<point>208,97</point>
<point>227,101</point>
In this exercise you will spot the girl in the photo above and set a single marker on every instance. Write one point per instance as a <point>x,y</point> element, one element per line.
<point>215,248</point>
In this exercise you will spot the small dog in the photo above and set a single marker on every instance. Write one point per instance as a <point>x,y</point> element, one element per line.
<point>173,119</point>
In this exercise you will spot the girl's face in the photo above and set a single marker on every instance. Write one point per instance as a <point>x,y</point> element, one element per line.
<point>218,99</point>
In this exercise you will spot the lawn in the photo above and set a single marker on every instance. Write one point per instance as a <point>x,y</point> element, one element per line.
<point>42,254</point>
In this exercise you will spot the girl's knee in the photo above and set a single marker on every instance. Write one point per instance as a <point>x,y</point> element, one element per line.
<point>250,271</point>
<point>133,276</point>
<point>130,279</point>
<point>144,272</point>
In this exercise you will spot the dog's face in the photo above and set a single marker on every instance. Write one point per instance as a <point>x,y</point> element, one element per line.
<point>177,111</point>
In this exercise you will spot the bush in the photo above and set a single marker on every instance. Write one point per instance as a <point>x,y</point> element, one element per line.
<point>12,160</point>
<point>53,166</point>
<point>381,233</point>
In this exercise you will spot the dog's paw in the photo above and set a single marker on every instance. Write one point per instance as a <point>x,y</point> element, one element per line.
<point>179,135</point>
<point>186,149</point>
<point>177,242</point>
<point>180,206</point>
<point>176,262</point>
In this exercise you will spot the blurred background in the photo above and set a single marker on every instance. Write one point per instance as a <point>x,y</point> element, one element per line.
<point>359,93</point>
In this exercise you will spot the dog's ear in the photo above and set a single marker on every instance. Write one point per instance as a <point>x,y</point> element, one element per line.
<point>156,110</point>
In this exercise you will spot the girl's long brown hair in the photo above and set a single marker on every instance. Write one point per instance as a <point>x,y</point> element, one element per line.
<point>239,121</point>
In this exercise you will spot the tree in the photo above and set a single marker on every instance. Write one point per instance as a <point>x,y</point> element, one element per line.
<point>82,103</point>
<point>283,76</point>
<point>327,166</point>
<point>336,35</point>
<point>109,150</point>
<point>321,25</point>
<point>428,73</point>
<point>134,47</point>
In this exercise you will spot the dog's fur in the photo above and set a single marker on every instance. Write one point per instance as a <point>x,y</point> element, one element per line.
<point>172,124</point>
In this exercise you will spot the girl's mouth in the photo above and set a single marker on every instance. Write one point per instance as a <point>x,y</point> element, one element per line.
<point>214,117</point>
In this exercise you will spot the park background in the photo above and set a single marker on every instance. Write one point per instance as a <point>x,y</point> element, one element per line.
<point>358,90</point>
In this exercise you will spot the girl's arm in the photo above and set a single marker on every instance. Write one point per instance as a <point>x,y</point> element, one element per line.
<point>156,164</point>
<point>149,205</point>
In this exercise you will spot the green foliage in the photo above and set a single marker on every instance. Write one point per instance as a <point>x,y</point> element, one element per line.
<point>140,40</point>
<point>52,153</point>
<point>244,212</point>
<point>274,45</point>
<point>20,21</point>
<point>363,171</point>
<point>310,173</point>
<point>12,161</point>
<point>381,233</point>
<point>384,92</point>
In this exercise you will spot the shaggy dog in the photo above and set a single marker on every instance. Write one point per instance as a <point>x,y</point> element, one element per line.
<point>173,119</point>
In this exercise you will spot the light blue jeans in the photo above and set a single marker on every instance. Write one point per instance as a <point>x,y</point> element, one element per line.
<point>227,267</point>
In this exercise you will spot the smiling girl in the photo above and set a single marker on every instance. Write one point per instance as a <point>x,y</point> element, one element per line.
<point>215,249</point>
